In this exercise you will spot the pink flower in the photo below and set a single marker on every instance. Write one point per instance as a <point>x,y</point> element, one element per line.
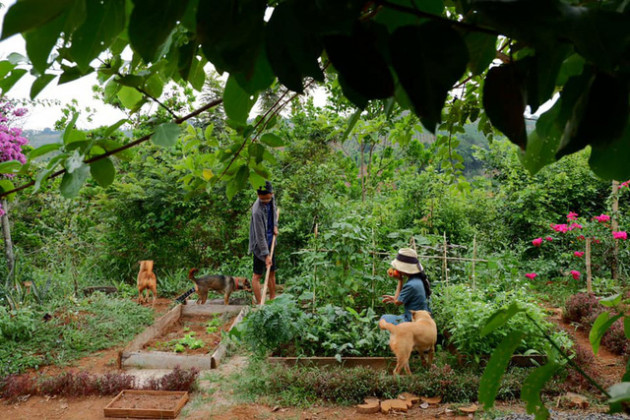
<point>602,218</point>
<point>20,112</point>
<point>620,235</point>
<point>575,226</point>
<point>576,274</point>
<point>531,276</point>
<point>579,254</point>
<point>560,228</point>
<point>624,184</point>
<point>581,238</point>
<point>572,216</point>
<point>597,241</point>
<point>537,242</point>
<point>549,238</point>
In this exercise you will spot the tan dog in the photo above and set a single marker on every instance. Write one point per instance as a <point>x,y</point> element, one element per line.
<point>419,334</point>
<point>146,281</point>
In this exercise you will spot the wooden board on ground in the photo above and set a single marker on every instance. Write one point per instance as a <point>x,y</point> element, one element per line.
<point>193,309</point>
<point>218,354</point>
<point>143,404</point>
<point>378,363</point>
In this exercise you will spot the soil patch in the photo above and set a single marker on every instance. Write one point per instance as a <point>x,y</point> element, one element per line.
<point>608,368</point>
<point>189,329</point>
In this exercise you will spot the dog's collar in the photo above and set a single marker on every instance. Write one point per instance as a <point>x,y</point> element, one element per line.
<point>236,282</point>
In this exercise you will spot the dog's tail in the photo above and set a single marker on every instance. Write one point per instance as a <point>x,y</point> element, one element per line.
<point>384,325</point>
<point>191,274</point>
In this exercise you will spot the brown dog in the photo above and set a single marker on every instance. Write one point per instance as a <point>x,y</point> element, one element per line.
<point>219,283</point>
<point>421,334</point>
<point>146,281</point>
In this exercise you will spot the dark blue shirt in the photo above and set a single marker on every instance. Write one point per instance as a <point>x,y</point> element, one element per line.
<point>414,297</point>
<point>269,224</point>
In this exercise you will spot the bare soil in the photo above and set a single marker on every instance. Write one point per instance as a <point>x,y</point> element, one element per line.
<point>607,368</point>
<point>186,325</point>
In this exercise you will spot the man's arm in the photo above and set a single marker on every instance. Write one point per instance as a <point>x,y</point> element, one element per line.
<point>260,234</point>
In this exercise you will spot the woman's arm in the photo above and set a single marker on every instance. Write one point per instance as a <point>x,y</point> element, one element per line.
<point>394,299</point>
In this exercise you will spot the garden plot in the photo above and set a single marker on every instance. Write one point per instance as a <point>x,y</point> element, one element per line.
<point>186,336</point>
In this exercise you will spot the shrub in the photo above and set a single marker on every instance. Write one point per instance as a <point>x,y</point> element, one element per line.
<point>69,384</point>
<point>177,380</point>
<point>580,306</point>
<point>12,386</point>
<point>615,339</point>
<point>113,383</point>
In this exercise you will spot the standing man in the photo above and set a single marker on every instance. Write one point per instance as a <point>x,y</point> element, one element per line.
<point>262,228</point>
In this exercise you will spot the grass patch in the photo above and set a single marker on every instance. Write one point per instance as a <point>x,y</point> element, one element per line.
<point>63,331</point>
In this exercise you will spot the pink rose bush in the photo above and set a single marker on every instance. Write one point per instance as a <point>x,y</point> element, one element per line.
<point>549,239</point>
<point>620,235</point>
<point>562,228</point>
<point>572,216</point>
<point>537,242</point>
<point>531,276</point>
<point>602,218</point>
<point>579,254</point>
<point>575,274</point>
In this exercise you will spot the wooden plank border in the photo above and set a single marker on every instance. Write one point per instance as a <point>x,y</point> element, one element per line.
<point>220,351</point>
<point>146,413</point>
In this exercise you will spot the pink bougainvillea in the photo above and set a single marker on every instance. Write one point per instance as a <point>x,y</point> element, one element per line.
<point>602,218</point>
<point>562,228</point>
<point>576,274</point>
<point>11,139</point>
<point>620,235</point>
<point>531,276</point>
<point>537,242</point>
<point>579,254</point>
<point>572,216</point>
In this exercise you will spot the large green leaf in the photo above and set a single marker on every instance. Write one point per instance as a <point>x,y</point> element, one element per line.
<point>11,79</point>
<point>611,301</point>
<point>394,19</point>
<point>532,387</point>
<point>129,97</point>
<point>359,61</point>
<point>103,171</point>
<point>619,393</point>
<point>40,83</point>
<point>504,102</point>
<point>72,182</point>
<point>272,140</point>
<point>10,167</point>
<point>482,49</point>
<point>260,78</point>
<point>352,121</point>
<point>42,150</point>
<point>151,24</point>
<point>238,182</point>
<point>104,21</point>
<point>500,318</point>
<point>600,115</point>
<point>5,67</point>
<point>428,60</point>
<point>231,33</point>
<point>166,134</point>
<point>599,328</point>
<point>236,102</point>
<point>543,142</point>
<point>491,379</point>
<point>40,41</point>
<point>25,15</point>
<point>293,48</point>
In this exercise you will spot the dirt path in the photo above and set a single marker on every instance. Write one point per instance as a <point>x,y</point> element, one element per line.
<point>607,367</point>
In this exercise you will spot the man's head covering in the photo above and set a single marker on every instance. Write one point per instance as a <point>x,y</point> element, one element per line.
<point>266,189</point>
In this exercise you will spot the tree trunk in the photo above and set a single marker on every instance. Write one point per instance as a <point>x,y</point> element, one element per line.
<point>8,243</point>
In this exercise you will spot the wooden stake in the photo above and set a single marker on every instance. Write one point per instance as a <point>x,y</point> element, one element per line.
<point>615,227</point>
<point>315,270</point>
<point>589,277</point>
<point>445,264</point>
<point>373,267</point>
<point>473,259</point>
<point>273,246</point>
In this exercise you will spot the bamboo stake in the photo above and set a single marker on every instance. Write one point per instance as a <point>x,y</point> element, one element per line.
<point>589,278</point>
<point>445,264</point>
<point>615,227</point>
<point>273,246</point>
<point>373,267</point>
<point>315,270</point>
<point>473,260</point>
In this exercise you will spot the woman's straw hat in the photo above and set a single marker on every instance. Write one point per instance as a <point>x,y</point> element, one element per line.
<point>407,261</point>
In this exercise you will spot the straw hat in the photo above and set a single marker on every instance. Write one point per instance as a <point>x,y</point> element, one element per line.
<point>407,261</point>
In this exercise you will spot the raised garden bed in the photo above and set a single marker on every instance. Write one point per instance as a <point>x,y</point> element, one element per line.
<point>147,404</point>
<point>181,338</point>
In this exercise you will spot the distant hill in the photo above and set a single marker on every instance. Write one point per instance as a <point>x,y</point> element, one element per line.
<point>38,138</point>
